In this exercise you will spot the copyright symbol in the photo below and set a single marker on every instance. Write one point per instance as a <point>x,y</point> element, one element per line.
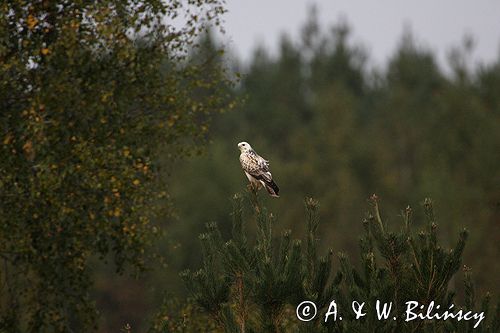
<point>306,311</point>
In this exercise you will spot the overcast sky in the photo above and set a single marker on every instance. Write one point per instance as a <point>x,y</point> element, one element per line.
<point>376,24</point>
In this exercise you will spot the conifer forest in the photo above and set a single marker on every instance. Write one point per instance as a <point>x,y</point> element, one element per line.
<point>124,207</point>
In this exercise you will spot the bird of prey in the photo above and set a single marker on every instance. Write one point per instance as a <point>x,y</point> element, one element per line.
<point>257,169</point>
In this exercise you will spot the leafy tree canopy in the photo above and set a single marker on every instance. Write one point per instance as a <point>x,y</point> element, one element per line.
<point>90,93</point>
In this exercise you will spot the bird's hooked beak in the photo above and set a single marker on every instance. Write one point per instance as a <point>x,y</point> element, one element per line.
<point>240,146</point>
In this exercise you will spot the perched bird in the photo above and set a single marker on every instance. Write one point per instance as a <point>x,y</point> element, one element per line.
<point>257,169</point>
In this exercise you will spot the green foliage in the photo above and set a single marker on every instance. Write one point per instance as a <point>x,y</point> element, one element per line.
<point>247,287</point>
<point>414,267</point>
<point>254,286</point>
<point>91,93</point>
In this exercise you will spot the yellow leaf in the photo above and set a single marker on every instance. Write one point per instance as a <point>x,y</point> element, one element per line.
<point>31,21</point>
<point>136,182</point>
<point>172,120</point>
<point>28,150</point>
<point>45,51</point>
<point>8,139</point>
<point>105,96</point>
<point>28,145</point>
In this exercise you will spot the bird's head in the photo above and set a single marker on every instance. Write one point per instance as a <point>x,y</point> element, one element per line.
<point>244,146</point>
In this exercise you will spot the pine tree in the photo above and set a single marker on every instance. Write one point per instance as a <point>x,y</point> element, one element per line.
<point>413,268</point>
<point>250,286</point>
<point>254,285</point>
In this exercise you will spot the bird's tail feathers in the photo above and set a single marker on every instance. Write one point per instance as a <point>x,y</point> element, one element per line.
<point>272,188</point>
